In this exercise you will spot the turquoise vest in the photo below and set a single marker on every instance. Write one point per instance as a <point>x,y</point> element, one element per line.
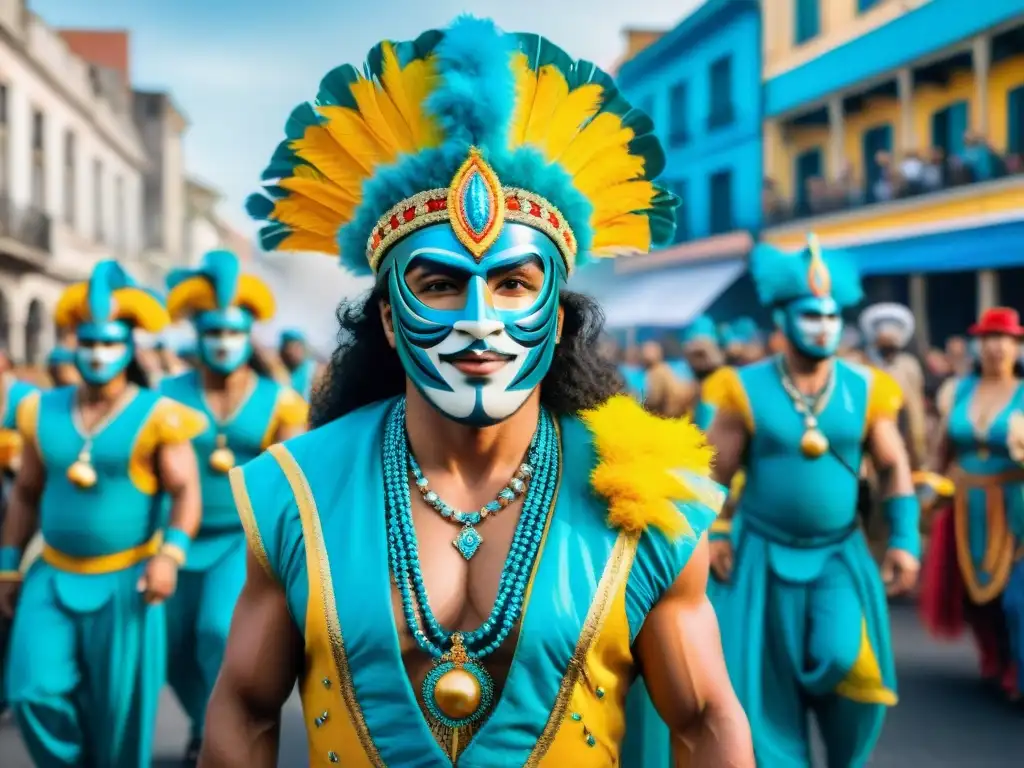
<point>113,515</point>
<point>825,504</point>
<point>592,589</point>
<point>246,432</point>
<point>302,378</point>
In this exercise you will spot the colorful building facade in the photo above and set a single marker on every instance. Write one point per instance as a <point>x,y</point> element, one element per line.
<point>701,84</point>
<point>896,129</point>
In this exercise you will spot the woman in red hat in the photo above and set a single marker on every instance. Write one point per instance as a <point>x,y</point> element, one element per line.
<point>975,569</point>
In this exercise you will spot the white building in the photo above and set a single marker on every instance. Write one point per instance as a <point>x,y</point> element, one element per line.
<point>71,168</point>
<point>206,229</point>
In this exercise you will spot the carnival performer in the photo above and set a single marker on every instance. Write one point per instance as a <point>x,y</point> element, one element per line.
<point>60,365</point>
<point>665,393</point>
<point>245,413</point>
<point>303,370</point>
<point>489,165</point>
<point>703,353</point>
<point>887,329</point>
<point>804,618</point>
<point>973,572</point>
<point>88,651</point>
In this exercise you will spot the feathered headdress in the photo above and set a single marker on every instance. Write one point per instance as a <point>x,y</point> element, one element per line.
<point>110,294</point>
<point>782,276</point>
<point>218,283</point>
<point>701,329</point>
<point>471,126</point>
<point>742,330</point>
<point>890,315</point>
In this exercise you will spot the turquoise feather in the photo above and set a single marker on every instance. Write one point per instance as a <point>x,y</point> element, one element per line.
<point>223,270</point>
<point>107,277</point>
<point>702,327</point>
<point>781,276</point>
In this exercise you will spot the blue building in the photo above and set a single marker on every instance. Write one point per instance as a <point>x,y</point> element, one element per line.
<point>701,84</point>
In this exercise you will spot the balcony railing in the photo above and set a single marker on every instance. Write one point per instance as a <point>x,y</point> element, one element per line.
<point>25,225</point>
<point>822,198</point>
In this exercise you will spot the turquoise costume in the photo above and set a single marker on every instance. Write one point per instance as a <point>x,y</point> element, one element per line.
<point>804,617</point>
<point>222,303</point>
<point>988,527</point>
<point>470,153</point>
<point>85,689</point>
<point>303,376</point>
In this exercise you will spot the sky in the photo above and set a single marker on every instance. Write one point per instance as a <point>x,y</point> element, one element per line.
<point>237,68</point>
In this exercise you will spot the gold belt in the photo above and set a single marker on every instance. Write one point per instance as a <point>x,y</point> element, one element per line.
<point>1000,549</point>
<point>116,561</point>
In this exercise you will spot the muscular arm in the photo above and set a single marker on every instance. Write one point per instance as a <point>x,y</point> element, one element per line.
<point>728,434</point>
<point>178,470</point>
<point>285,432</point>
<point>680,655</point>
<point>262,661</point>
<point>890,458</point>
<point>22,519</point>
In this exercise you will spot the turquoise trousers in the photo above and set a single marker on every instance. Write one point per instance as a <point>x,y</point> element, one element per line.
<point>86,665</point>
<point>198,620</point>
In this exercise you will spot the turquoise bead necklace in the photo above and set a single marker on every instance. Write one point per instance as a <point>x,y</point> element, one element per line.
<point>468,540</point>
<point>457,654</point>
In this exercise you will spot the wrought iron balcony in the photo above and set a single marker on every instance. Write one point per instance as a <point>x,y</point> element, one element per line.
<point>25,226</point>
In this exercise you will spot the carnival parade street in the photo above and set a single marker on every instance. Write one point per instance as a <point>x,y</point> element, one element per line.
<point>941,702</point>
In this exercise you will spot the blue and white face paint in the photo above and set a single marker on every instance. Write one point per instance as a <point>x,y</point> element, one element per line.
<point>104,351</point>
<point>475,337</point>
<point>813,325</point>
<point>225,344</point>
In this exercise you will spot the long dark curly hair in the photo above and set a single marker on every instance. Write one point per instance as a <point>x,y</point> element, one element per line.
<point>365,369</point>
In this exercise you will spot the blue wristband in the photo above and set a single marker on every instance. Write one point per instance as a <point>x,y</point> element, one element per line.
<point>904,516</point>
<point>177,538</point>
<point>10,559</point>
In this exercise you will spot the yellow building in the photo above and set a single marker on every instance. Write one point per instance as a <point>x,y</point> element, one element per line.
<point>895,128</point>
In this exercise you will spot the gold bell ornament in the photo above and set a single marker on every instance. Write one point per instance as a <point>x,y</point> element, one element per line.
<point>813,444</point>
<point>223,458</point>
<point>82,473</point>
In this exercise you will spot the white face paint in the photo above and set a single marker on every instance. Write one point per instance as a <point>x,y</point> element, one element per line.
<point>496,400</point>
<point>813,329</point>
<point>102,354</point>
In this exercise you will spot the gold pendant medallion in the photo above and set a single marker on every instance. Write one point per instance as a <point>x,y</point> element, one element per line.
<point>223,458</point>
<point>813,444</point>
<point>82,474</point>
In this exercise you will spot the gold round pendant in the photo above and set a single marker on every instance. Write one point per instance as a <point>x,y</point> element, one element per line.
<point>82,474</point>
<point>222,460</point>
<point>457,694</point>
<point>813,444</point>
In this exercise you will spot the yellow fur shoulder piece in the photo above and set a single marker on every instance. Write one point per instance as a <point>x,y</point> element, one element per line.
<point>649,466</point>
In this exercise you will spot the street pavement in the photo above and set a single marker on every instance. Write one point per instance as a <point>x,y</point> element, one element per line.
<point>945,719</point>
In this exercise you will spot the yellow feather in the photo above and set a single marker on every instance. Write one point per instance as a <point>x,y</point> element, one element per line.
<point>348,128</point>
<point>307,172</point>
<point>408,88</point>
<point>404,140</point>
<point>551,91</point>
<point>365,94</point>
<point>323,192</point>
<point>648,466</point>
<point>301,213</point>
<point>629,234</point>
<point>616,167</point>
<point>572,114</point>
<point>526,90</point>
<point>318,148</point>
<point>307,242</point>
<point>603,133</point>
<point>627,197</point>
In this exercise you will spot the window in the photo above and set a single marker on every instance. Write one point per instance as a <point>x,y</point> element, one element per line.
<point>3,105</point>
<point>119,222</point>
<point>70,179</point>
<point>808,20</point>
<point>678,129</point>
<point>97,201</point>
<point>38,190</point>
<point>808,166</point>
<point>1015,120</point>
<point>722,112</point>
<point>948,128</point>
<point>866,5</point>
<point>682,233</point>
<point>721,202</point>
<point>875,140</point>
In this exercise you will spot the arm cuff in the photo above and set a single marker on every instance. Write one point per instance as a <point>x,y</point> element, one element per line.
<point>903,514</point>
<point>10,559</point>
<point>720,530</point>
<point>176,544</point>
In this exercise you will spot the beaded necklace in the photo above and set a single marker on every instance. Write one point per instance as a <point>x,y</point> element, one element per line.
<point>468,540</point>
<point>813,443</point>
<point>458,692</point>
